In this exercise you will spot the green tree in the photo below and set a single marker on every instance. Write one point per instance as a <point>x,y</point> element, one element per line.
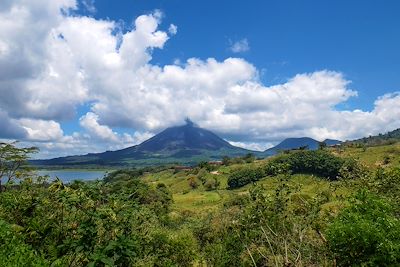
<point>13,161</point>
<point>322,145</point>
<point>248,158</point>
<point>226,160</point>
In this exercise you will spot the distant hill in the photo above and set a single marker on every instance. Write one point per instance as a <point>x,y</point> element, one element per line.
<point>295,143</point>
<point>380,139</point>
<point>187,144</point>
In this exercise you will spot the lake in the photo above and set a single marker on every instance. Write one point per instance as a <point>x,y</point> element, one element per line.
<point>70,175</point>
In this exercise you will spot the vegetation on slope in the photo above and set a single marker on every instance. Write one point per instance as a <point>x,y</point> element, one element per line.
<point>293,212</point>
<point>377,140</point>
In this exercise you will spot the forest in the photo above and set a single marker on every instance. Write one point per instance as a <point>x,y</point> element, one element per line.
<point>335,206</point>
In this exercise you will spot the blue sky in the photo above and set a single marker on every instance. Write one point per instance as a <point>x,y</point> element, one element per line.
<point>358,38</point>
<point>254,72</point>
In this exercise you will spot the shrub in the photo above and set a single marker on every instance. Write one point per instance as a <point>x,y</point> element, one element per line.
<point>274,168</point>
<point>206,165</point>
<point>243,176</point>
<point>319,162</point>
<point>248,158</point>
<point>14,251</point>
<point>211,184</point>
<point>386,160</point>
<point>367,233</point>
<point>192,179</point>
<point>387,182</point>
<point>201,175</point>
<point>351,169</point>
<point>262,229</point>
<point>87,224</point>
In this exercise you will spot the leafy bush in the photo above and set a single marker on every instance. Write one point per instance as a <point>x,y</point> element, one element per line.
<point>352,169</point>
<point>367,233</point>
<point>127,174</point>
<point>248,158</point>
<point>386,159</point>
<point>276,167</point>
<point>319,162</point>
<point>243,176</point>
<point>387,182</point>
<point>94,224</point>
<point>263,229</point>
<point>123,175</point>
<point>206,165</point>
<point>211,184</point>
<point>192,179</point>
<point>14,251</point>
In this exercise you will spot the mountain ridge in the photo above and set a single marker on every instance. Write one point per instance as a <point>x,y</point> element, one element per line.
<point>379,139</point>
<point>186,144</point>
<point>298,142</point>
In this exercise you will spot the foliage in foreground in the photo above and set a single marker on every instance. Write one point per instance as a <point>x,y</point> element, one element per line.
<point>366,233</point>
<point>95,224</point>
<point>264,230</point>
<point>129,223</point>
<point>14,251</point>
<point>123,221</point>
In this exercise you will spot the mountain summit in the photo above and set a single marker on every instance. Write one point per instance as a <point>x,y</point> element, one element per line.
<point>186,144</point>
<point>186,137</point>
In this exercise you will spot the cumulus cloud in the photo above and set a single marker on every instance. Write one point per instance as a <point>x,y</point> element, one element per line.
<point>89,5</point>
<point>52,62</point>
<point>10,129</point>
<point>33,57</point>
<point>173,29</point>
<point>253,146</point>
<point>90,123</point>
<point>240,46</point>
<point>42,130</point>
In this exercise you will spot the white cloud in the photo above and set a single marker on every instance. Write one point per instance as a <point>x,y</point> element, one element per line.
<point>240,46</point>
<point>252,146</point>
<point>89,5</point>
<point>173,29</point>
<point>91,124</point>
<point>10,127</point>
<point>52,62</point>
<point>41,130</point>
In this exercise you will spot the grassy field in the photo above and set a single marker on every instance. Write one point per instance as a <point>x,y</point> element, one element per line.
<point>199,200</point>
<point>374,156</point>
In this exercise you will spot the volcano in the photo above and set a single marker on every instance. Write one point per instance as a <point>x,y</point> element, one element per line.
<point>187,144</point>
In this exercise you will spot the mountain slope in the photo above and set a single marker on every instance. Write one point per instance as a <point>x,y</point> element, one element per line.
<point>184,137</point>
<point>185,144</point>
<point>381,139</point>
<point>295,143</point>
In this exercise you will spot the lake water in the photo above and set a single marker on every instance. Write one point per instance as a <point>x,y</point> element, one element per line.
<point>70,175</point>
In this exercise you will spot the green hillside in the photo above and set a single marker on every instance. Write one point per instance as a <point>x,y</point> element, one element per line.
<point>331,207</point>
<point>183,145</point>
<point>377,140</point>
